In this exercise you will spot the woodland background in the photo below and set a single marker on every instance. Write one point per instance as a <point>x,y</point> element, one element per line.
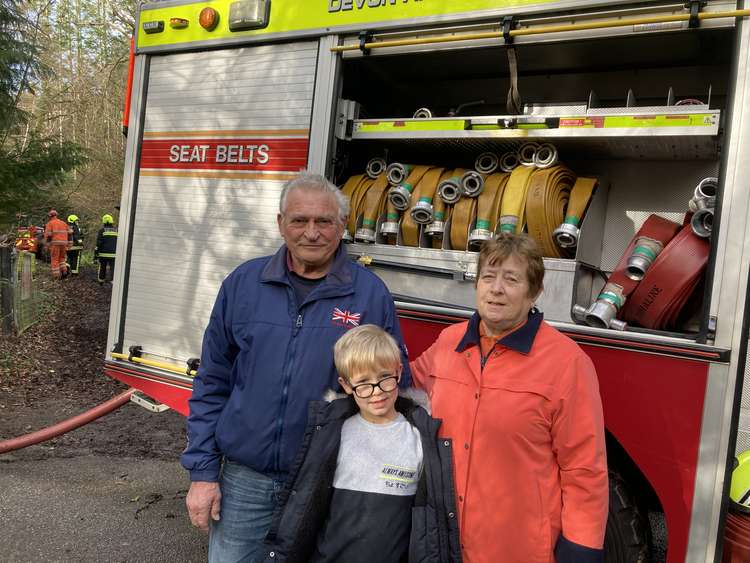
<point>63,73</point>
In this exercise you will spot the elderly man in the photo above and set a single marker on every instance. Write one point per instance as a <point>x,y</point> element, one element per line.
<point>267,352</point>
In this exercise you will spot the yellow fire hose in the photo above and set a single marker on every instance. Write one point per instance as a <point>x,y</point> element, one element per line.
<point>513,207</point>
<point>566,234</point>
<point>356,199</point>
<point>441,213</point>
<point>547,198</point>
<point>487,209</point>
<point>424,194</point>
<point>409,228</point>
<point>372,207</point>
<point>463,214</point>
<point>625,22</point>
<point>390,227</point>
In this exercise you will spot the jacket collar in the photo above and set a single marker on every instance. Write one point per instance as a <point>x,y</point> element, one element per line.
<point>521,340</point>
<point>340,274</point>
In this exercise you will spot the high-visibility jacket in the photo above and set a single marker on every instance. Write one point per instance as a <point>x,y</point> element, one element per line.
<point>76,237</point>
<point>106,242</point>
<point>56,232</point>
<point>528,437</point>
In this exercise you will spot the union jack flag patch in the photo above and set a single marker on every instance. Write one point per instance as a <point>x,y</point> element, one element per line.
<point>345,318</point>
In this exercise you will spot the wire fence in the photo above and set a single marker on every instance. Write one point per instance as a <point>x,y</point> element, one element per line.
<point>19,298</point>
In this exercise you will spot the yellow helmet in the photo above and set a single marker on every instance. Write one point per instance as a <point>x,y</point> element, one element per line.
<point>739,491</point>
<point>107,219</point>
<point>72,218</point>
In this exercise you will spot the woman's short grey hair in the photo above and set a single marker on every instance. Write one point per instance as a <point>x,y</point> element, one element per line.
<point>315,183</point>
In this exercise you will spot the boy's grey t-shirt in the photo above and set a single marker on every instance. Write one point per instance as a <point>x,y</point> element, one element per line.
<point>377,472</point>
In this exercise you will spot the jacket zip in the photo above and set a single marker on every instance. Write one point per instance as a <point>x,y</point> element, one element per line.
<point>285,387</point>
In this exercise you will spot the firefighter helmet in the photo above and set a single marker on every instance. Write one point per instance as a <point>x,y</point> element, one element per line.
<point>107,219</point>
<point>739,491</point>
<point>72,218</point>
<point>52,213</point>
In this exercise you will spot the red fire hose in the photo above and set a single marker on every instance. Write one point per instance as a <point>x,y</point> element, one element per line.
<point>66,425</point>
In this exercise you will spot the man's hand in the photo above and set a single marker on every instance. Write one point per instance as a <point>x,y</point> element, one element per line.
<point>203,499</point>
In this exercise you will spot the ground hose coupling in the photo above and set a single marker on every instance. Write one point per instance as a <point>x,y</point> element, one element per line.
<point>422,212</point>
<point>375,167</point>
<point>486,163</point>
<point>645,252</point>
<point>397,173</point>
<point>400,196</point>
<point>545,156</point>
<point>602,313</point>
<point>449,190</point>
<point>509,161</point>
<point>527,154</point>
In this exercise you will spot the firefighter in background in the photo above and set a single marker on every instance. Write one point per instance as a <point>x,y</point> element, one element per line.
<point>106,246</point>
<point>56,234</point>
<point>75,241</point>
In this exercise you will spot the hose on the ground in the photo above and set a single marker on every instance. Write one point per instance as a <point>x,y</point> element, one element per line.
<point>66,425</point>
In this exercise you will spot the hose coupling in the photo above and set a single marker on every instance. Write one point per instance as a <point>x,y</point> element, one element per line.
<point>375,167</point>
<point>509,161</point>
<point>527,154</point>
<point>450,190</point>
<point>397,173</point>
<point>347,237</point>
<point>436,229</point>
<point>422,212</point>
<point>400,196</point>
<point>389,228</point>
<point>545,156</point>
<point>486,163</point>
<point>645,252</point>
<point>566,235</point>
<point>472,183</point>
<point>423,113</point>
<point>478,236</point>
<point>702,222</point>
<point>365,234</point>
<point>602,313</point>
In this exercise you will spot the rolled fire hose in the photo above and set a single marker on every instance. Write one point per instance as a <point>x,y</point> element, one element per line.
<point>356,199</point>
<point>472,183</point>
<point>566,235</point>
<point>375,167</point>
<point>449,189</point>
<point>670,281</point>
<point>424,194</point>
<point>463,215</point>
<point>640,253</point>
<point>440,214</point>
<point>372,207</point>
<point>512,210</point>
<point>400,194</point>
<point>486,163</point>
<point>547,197</point>
<point>389,228</point>
<point>487,209</point>
<point>348,190</point>
<point>66,425</point>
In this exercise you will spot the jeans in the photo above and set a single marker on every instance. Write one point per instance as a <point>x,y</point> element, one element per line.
<point>248,500</point>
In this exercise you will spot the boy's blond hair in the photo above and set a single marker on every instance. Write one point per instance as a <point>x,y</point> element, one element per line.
<point>365,348</point>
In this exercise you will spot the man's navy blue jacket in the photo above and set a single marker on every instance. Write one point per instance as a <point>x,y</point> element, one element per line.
<point>264,359</point>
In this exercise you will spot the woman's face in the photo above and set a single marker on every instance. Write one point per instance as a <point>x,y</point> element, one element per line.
<point>503,299</point>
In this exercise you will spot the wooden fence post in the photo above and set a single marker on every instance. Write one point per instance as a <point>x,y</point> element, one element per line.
<point>6,289</point>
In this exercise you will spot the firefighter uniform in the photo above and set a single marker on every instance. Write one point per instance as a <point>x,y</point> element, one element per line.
<point>75,244</point>
<point>106,246</point>
<point>56,234</point>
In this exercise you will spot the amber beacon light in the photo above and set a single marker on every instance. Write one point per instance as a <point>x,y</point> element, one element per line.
<point>209,19</point>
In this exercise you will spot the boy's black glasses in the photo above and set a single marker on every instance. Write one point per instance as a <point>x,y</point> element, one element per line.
<point>365,390</point>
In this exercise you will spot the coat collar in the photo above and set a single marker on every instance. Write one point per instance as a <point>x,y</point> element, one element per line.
<point>521,340</point>
<point>276,270</point>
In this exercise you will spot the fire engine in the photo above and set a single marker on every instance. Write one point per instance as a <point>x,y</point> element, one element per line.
<point>614,132</point>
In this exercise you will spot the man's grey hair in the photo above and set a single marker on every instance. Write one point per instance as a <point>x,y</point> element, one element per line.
<point>315,183</point>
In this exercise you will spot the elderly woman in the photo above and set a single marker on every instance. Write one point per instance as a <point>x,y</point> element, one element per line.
<point>521,403</point>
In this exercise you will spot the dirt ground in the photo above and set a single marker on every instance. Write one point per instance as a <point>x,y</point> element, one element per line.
<point>54,371</point>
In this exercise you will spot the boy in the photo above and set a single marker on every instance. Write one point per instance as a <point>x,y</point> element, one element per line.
<point>371,483</point>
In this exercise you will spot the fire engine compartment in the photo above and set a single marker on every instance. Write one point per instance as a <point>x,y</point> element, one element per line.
<point>639,173</point>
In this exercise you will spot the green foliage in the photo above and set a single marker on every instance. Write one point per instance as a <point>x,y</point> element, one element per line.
<point>32,162</point>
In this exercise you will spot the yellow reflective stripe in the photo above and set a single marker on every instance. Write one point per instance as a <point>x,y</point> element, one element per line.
<point>106,255</point>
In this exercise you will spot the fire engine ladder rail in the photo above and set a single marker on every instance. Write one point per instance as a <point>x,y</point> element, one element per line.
<point>542,30</point>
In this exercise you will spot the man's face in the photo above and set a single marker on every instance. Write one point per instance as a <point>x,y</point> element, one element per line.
<point>311,228</point>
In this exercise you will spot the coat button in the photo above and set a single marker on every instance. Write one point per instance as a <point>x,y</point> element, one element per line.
<point>293,492</point>
<point>460,498</point>
<point>272,554</point>
<point>317,427</point>
<point>466,446</point>
<point>468,354</point>
<point>446,443</point>
<point>476,395</point>
<point>451,515</point>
